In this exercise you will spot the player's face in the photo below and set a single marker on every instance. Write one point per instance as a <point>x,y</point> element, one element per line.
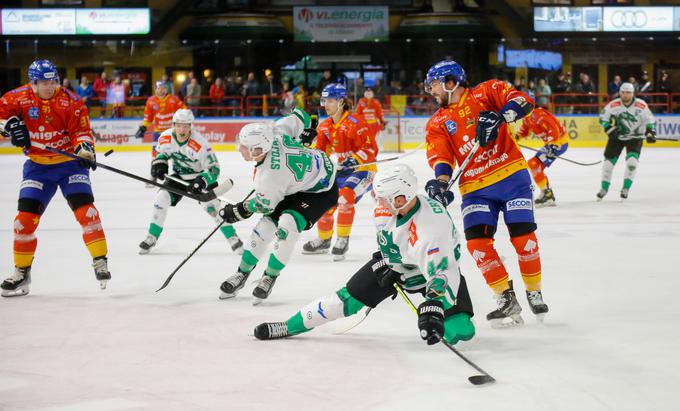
<point>368,94</point>
<point>438,90</point>
<point>161,91</point>
<point>393,205</point>
<point>182,131</point>
<point>626,96</point>
<point>331,105</point>
<point>45,89</point>
<point>255,155</point>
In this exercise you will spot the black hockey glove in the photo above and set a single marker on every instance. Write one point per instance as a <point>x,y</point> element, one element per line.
<point>16,128</point>
<point>384,274</point>
<point>159,168</point>
<point>431,321</point>
<point>86,156</point>
<point>307,136</point>
<point>197,185</point>
<point>612,132</point>
<point>437,190</point>
<point>650,136</point>
<point>140,132</point>
<point>348,165</point>
<point>233,213</point>
<point>551,151</point>
<point>488,124</point>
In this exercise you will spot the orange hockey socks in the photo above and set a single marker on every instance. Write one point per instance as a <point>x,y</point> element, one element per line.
<point>325,225</point>
<point>537,173</point>
<point>93,233</point>
<point>486,257</point>
<point>25,241</point>
<point>346,203</point>
<point>526,247</point>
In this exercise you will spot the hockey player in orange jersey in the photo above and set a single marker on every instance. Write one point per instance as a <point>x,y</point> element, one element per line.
<point>371,109</point>
<point>158,112</point>
<point>495,181</point>
<point>542,124</point>
<point>43,112</point>
<point>348,137</point>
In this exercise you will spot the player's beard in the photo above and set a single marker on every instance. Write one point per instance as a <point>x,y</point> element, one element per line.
<point>444,100</point>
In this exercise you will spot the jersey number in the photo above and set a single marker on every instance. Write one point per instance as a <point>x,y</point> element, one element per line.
<point>299,164</point>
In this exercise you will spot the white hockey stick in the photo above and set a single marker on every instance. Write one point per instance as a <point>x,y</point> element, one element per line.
<point>385,160</point>
<point>463,165</point>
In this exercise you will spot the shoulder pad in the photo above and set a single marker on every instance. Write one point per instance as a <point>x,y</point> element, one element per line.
<point>615,103</point>
<point>194,145</point>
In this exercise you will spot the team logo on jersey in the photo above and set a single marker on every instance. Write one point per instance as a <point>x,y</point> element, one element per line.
<point>451,127</point>
<point>412,234</point>
<point>33,113</point>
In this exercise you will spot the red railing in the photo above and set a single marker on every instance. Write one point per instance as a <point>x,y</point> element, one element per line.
<point>592,103</point>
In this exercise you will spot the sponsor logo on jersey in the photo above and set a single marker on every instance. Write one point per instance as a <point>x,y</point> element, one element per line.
<point>475,208</point>
<point>33,113</point>
<point>478,255</point>
<point>412,234</point>
<point>319,310</point>
<point>519,204</point>
<point>463,150</point>
<point>31,184</point>
<point>79,179</point>
<point>451,127</point>
<point>433,251</point>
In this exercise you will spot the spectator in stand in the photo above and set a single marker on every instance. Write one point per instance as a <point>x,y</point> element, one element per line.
<point>359,87</point>
<point>194,96</point>
<point>585,86</point>
<point>613,87</point>
<point>85,91</point>
<point>379,90</point>
<point>645,83</point>
<point>232,89</point>
<point>325,80</point>
<point>251,88</point>
<point>664,83</point>
<point>116,97</point>
<point>217,92</point>
<point>300,96</point>
<point>562,86</point>
<point>168,83</point>
<point>101,87</point>
<point>635,84</point>
<point>271,89</point>
<point>543,93</point>
<point>67,85</point>
<point>185,84</point>
<point>287,99</point>
<point>531,89</point>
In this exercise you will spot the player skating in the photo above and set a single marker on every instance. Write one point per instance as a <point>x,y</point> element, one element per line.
<point>43,112</point>
<point>627,120</point>
<point>495,181</point>
<point>194,162</point>
<point>347,136</point>
<point>294,187</point>
<point>543,124</point>
<point>419,250</point>
<point>371,110</point>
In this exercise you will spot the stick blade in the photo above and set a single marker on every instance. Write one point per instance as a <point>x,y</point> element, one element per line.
<point>481,379</point>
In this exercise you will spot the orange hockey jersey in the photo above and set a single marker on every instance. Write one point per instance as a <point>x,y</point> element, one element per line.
<point>159,111</point>
<point>371,110</point>
<point>61,122</point>
<point>349,137</point>
<point>543,124</point>
<point>450,135</point>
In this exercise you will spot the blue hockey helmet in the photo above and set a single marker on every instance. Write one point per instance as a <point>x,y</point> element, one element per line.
<point>335,91</point>
<point>444,71</point>
<point>43,70</point>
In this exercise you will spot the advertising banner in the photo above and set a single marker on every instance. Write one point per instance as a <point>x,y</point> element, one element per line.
<point>38,21</point>
<point>347,23</point>
<point>70,22</point>
<point>637,19</point>
<point>112,21</point>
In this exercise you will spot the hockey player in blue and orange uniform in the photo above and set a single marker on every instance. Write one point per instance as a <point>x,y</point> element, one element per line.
<point>495,181</point>
<point>43,112</point>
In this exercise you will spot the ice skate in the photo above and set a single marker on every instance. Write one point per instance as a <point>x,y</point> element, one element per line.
<point>624,193</point>
<point>547,199</point>
<point>538,307</point>
<point>234,283</point>
<point>17,284</point>
<point>508,312</point>
<point>146,245</point>
<point>600,194</point>
<point>340,248</point>
<point>271,331</point>
<point>316,246</point>
<point>101,271</point>
<point>236,244</point>
<point>263,288</point>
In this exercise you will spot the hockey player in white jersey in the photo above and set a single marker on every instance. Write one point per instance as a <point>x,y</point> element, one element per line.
<point>294,187</point>
<point>627,120</point>
<point>194,162</point>
<point>419,249</point>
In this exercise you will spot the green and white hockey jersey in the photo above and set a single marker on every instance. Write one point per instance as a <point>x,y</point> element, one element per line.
<point>292,124</point>
<point>191,158</point>
<point>423,246</point>
<point>631,121</point>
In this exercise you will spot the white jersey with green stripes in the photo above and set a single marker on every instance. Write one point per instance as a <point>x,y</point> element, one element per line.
<point>191,158</point>
<point>631,121</point>
<point>292,124</point>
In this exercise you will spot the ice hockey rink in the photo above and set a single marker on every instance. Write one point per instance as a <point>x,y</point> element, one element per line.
<point>610,341</point>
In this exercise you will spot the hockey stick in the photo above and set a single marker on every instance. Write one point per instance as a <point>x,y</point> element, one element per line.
<point>354,324</point>
<point>172,274</point>
<point>463,165</point>
<point>221,188</point>
<point>484,378</point>
<point>200,197</point>
<point>386,160</point>
<point>668,139</point>
<point>562,158</point>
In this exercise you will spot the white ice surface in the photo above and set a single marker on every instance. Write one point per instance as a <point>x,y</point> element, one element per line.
<point>611,278</point>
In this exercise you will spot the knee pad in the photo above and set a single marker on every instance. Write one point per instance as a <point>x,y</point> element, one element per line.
<point>480,231</point>
<point>25,224</point>
<point>261,234</point>
<point>518,229</point>
<point>288,228</point>
<point>31,205</point>
<point>322,310</point>
<point>535,165</point>
<point>77,200</point>
<point>526,247</point>
<point>88,217</point>
<point>631,163</point>
<point>347,199</point>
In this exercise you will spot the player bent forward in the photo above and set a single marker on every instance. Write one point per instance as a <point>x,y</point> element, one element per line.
<point>419,249</point>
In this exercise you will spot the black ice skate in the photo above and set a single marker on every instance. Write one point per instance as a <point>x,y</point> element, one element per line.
<point>316,246</point>
<point>101,271</point>
<point>234,283</point>
<point>236,244</point>
<point>271,331</point>
<point>263,288</point>
<point>547,199</point>
<point>508,312</point>
<point>537,305</point>
<point>340,248</point>
<point>624,193</point>
<point>600,194</point>
<point>146,245</point>
<point>17,284</point>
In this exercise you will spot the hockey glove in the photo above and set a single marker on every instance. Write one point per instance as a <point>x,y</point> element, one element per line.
<point>437,190</point>
<point>198,185</point>
<point>384,274</point>
<point>16,128</point>
<point>551,151</point>
<point>650,136</point>
<point>348,165</point>
<point>140,132</point>
<point>159,168</point>
<point>233,213</point>
<point>87,157</point>
<point>488,124</point>
<point>307,136</point>
<point>612,132</point>
<point>431,321</point>
<point>383,125</point>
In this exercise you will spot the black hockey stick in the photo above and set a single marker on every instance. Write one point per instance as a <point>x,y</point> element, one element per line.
<point>668,139</point>
<point>198,197</point>
<point>484,378</point>
<point>172,274</point>
<point>562,158</point>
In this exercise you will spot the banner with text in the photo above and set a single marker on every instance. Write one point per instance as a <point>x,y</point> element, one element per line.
<point>342,24</point>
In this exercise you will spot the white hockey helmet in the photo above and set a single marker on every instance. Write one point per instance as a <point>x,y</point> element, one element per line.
<point>183,116</point>
<point>627,87</point>
<point>392,182</point>
<point>257,135</point>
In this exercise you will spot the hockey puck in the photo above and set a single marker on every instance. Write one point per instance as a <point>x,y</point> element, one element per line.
<point>108,153</point>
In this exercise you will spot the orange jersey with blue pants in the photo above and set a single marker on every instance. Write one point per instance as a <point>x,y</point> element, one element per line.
<point>495,181</point>
<point>542,124</point>
<point>158,113</point>
<point>349,137</point>
<point>371,110</point>
<point>61,122</point>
